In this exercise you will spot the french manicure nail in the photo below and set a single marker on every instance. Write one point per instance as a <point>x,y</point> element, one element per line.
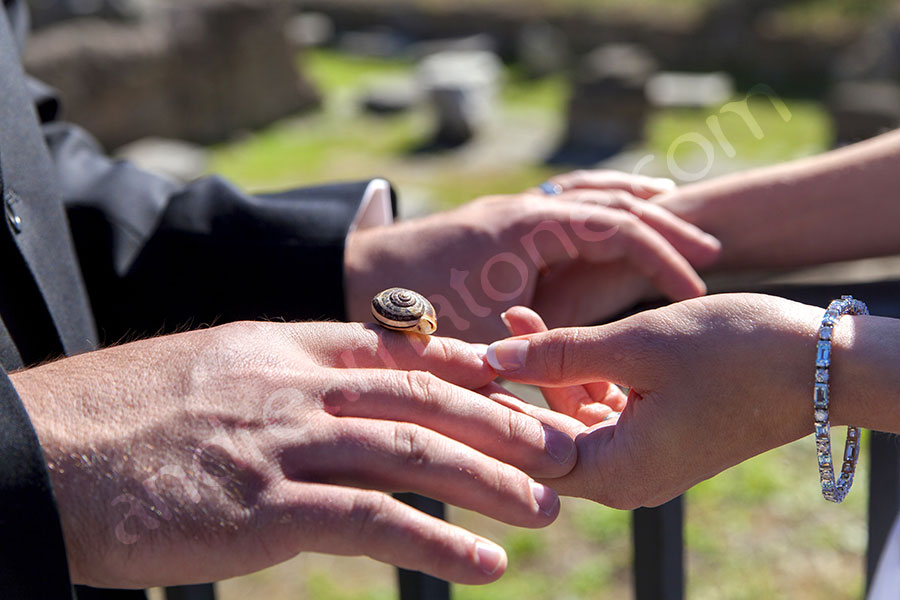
<point>490,557</point>
<point>505,321</point>
<point>547,499</point>
<point>558,444</point>
<point>665,183</point>
<point>713,241</point>
<point>507,355</point>
<point>480,350</point>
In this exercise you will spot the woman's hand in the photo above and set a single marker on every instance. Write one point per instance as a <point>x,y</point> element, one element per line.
<point>590,403</point>
<point>713,381</point>
<point>601,249</point>
<point>636,186</point>
<point>215,453</point>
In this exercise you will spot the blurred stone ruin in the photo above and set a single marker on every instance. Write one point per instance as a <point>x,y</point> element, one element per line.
<point>623,65</point>
<point>201,70</point>
<point>865,98</point>
<point>195,70</point>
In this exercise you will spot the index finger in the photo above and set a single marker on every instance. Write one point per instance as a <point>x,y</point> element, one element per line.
<point>642,186</point>
<point>700,248</point>
<point>369,346</point>
<point>605,234</point>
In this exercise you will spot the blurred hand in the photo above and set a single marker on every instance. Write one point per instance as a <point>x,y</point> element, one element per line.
<point>210,454</point>
<point>637,186</point>
<point>713,381</point>
<point>576,258</point>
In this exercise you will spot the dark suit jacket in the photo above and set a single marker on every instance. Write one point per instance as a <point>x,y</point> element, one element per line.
<point>93,251</point>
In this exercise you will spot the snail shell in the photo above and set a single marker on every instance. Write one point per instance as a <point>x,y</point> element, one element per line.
<point>404,310</point>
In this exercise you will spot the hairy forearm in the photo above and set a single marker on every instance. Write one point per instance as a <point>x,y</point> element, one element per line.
<point>841,205</point>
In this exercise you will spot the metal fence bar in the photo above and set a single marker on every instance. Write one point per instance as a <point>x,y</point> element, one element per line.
<point>413,584</point>
<point>884,495</point>
<point>206,591</point>
<point>659,551</point>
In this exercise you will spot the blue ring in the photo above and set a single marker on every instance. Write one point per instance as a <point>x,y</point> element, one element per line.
<point>551,189</point>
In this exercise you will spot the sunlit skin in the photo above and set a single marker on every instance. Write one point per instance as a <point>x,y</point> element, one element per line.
<point>713,381</point>
<point>210,454</point>
<point>476,261</point>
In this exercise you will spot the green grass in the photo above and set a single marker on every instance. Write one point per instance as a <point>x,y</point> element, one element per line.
<point>333,71</point>
<point>340,142</point>
<point>528,94</point>
<point>806,131</point>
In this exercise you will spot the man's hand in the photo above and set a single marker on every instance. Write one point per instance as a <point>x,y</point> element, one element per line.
<point>713,381</point>
<point>215,453</point>
<point>576,258</point>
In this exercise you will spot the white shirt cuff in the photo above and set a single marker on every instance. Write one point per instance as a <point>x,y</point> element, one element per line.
<point>375,208</point>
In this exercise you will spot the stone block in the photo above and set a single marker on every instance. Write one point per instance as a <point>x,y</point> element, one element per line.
<point>199,70</point>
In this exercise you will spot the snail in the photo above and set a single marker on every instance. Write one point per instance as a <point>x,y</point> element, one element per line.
<point>404,310</point>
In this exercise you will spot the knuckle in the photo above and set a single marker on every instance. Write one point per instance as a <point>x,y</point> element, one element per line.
<point>433,559</point>
<point>410,445</point>
<point>516,429</point>
<point>629,222</point>
<point>554,352</point>
<point>232,350</point>
<point>368,515</point>
<point>421,385</point>
<point>242,330</point>
<point>508,482</point>
<point>445,351</point>
<point>622,198</point>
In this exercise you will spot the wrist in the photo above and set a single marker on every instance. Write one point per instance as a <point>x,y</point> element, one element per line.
<point>30,522</point>
<point>802,330</point>
<point>34,398</point>
<point>865,382</point>
<point>738,209</point>
<point>359,287</point>
<point>49,424</point>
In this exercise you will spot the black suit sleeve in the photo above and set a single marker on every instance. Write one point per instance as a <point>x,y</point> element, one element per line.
<point>32,556</point>
<point>157,255</point>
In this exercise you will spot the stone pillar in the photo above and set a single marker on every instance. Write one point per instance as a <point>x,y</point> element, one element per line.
<point>608,108</point>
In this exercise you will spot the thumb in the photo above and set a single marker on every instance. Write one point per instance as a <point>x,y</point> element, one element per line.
<point>569,356</point>
<point>591,403</point>
<point>521,320</point>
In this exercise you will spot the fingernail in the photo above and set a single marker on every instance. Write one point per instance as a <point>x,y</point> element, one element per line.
<point>480,350</point>
<point>712,241</point>
<point>490,557</point>
<point>505,321</point>
<point>507,355</point>
<point>546,498</point>
<point>665,183</point>
<point>558,445</point>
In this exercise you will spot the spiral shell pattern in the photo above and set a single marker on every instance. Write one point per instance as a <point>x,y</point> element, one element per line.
<point>404,310</point>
